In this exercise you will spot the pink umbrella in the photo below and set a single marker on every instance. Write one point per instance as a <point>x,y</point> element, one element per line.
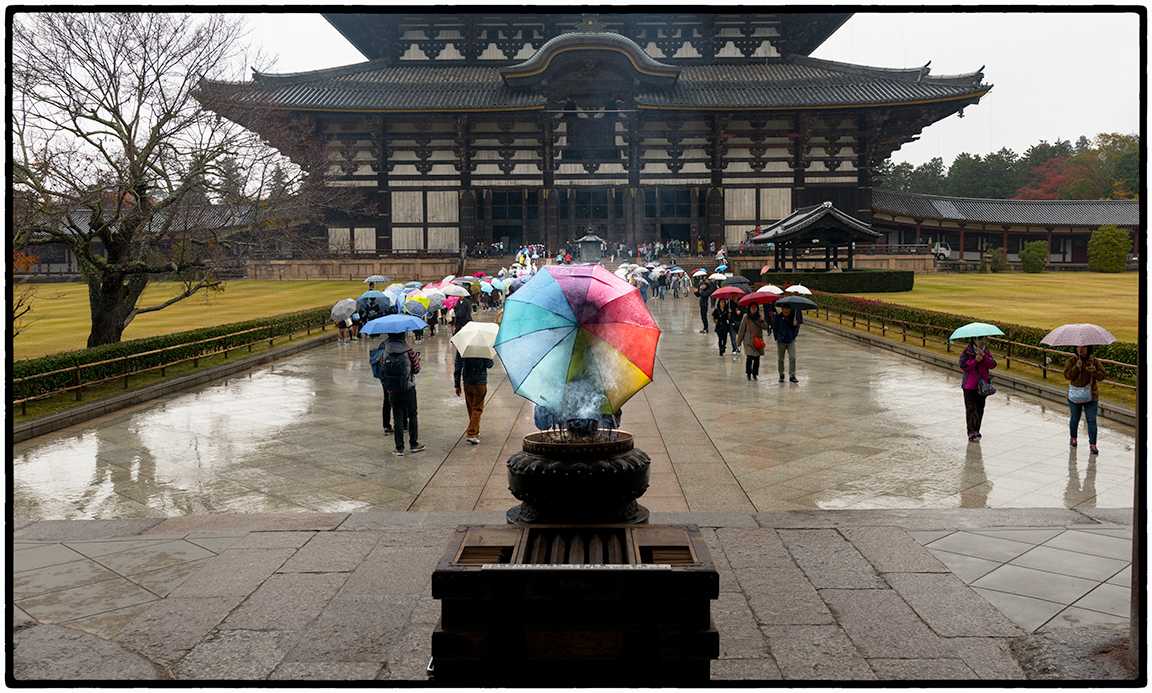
<point>1078,334</point>
<point>765,269</point>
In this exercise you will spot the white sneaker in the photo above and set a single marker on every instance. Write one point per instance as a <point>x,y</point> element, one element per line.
<point>474,441</point>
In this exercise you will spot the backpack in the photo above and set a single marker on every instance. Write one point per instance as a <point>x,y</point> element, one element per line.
<point>394,369</point>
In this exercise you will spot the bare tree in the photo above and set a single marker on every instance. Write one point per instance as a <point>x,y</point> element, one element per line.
<point>114,157</point>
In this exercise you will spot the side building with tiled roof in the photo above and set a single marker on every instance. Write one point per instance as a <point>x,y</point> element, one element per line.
<point>471,128</point>
<point>970,227</point>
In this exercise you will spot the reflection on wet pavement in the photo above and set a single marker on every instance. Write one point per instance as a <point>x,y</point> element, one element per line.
<point>864,428</point>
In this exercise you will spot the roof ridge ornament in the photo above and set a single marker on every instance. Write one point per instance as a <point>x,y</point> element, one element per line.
<point>590,24</point>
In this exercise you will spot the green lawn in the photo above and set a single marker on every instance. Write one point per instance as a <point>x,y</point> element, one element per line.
<point>62,318</point>
<point>1045,300</point>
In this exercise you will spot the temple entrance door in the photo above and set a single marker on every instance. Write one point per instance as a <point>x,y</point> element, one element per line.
<point>515,234</point>
<point>679,232</point>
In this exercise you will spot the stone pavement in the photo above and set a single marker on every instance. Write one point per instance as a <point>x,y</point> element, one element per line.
<point>820,595</point>
<point>257,528</point>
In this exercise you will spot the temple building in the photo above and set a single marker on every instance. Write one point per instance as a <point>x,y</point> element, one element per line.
<point>533,127</point>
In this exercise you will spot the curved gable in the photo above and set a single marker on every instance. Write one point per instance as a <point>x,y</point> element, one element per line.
<point>576,49</point>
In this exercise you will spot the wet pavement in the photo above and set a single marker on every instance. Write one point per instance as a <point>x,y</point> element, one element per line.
<point>864,428</point>
<point>259,528</point>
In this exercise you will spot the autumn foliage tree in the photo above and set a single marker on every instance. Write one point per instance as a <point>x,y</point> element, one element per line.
<point>23,292</point>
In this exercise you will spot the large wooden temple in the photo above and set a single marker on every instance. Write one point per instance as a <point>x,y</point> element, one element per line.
<point>471,128</point>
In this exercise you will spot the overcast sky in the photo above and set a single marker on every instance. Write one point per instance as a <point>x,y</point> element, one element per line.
<point>1055,75</point>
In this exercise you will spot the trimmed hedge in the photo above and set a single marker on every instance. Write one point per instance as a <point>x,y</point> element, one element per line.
<point>848,281</point>
<point>277,326</point>
<point>1124,352</point>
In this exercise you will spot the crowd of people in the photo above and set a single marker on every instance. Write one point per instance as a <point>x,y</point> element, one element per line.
<point>742,329</point>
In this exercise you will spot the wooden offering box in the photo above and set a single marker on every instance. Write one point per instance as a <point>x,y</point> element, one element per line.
<point>575,605</point>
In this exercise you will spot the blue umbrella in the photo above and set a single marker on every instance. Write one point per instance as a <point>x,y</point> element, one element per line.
<point>370,294</point>
<point>486,287</point>
<point>975,329</point>
<point>414,285</point>
<point>393,324</point>
<point>721,268</point>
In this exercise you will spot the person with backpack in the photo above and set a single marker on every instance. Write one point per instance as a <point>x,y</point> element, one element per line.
<point>474,374</point>
<point>397,371</point>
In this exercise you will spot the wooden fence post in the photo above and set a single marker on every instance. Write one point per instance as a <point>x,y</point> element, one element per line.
<point>79,384</point>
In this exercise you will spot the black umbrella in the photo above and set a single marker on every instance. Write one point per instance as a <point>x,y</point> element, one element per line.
<point>796,303</point>
<point>736,279</point>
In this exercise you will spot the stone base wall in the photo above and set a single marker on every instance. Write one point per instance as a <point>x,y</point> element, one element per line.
<point>353,269</point>
<point>920,264</point>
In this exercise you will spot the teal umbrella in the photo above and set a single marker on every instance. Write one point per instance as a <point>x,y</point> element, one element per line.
<point>975,329</point>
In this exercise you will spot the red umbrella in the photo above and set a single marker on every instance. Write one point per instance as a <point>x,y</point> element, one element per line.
<point>765,269</point>
<point>758,297</point>
<point>727,292</point>
<point>1078,334</point>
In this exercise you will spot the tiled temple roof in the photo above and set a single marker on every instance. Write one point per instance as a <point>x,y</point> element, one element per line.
<point>1090,213</point>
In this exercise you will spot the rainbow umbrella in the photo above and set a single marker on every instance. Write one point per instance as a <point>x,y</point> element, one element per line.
<point>577,340</point>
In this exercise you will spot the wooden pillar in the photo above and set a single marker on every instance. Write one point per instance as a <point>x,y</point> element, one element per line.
<point>381,164</point>
<point>550,204</point>
<point>633,214</point>
<point>836,254</point>
<point>827,258</point>
<point>795,266</point>
<point>961,243</point>
<point>850,248</point>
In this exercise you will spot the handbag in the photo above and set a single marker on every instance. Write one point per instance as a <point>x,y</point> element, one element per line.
<point>1080,395</point>
<point>985,388</point>
<point>758,343</point>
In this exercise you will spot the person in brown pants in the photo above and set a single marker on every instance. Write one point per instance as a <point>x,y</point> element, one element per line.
<point>472,373</point>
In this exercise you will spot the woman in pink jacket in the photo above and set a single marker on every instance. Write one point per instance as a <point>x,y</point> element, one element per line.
<point>976,360</point>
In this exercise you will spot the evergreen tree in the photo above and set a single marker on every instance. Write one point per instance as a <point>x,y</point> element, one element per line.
<point>966,177</point>
<point>929,178</point>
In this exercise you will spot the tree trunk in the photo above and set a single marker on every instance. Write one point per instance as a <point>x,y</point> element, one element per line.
<point>112,299</point>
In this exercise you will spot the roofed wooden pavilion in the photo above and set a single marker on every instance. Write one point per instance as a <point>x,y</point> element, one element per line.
<point>818,226</point>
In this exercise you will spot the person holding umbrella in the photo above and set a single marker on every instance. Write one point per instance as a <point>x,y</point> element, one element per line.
<point>1082,371</point>
<point>470,376</point>
<point>720,317</point>
<point>704,290</point>
<point>751,337</point>
<point>785,326</point>
<point>400,366</point>
<point>976,360</point>
<point>735,316</point>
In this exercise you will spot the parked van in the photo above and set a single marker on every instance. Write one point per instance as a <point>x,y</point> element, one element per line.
<point>941,251</point>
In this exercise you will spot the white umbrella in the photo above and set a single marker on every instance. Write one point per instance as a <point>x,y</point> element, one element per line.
<point>1078,334</point>
<point>699,273</point>
<point>716,275</point>
<point>476,340</point>
<point>456,290</point>
<point>797,289</point>
<point>771,289</point>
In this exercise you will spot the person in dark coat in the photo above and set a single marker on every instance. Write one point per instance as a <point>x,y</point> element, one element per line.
<point>704,290</point>
<point>735,316</point>
<point>785,326</point>
<point>720,317</point>
<point>472,374</point>
<point>404,401</point>
<point>463,314</point>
